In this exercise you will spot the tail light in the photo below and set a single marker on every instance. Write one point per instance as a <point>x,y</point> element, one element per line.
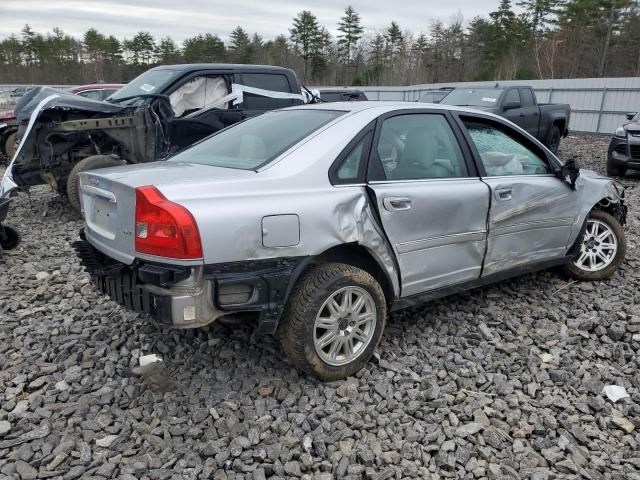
<point>164,228</point>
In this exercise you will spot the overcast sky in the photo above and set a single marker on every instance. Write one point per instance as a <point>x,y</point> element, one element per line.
<point>183,18</point>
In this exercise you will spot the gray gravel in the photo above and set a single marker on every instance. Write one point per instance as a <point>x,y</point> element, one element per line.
<point>500,382</point>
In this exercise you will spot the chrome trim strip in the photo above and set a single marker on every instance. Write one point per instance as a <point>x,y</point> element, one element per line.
<point>422,244</point>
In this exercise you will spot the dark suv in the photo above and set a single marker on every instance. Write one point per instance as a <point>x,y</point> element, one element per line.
<point>624,148</point>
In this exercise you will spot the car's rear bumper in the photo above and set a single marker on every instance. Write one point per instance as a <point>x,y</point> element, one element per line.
<point>191,297</point>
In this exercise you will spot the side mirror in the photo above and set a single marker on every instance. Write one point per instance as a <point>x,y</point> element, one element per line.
<point>571,169</point>
<point>630,115</point>
<point>511,105</point>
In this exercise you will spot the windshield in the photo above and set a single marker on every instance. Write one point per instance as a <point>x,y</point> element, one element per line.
<point>473,97</point>
<point>150,82</point>
<point>255,142</point>
<point>433,97</point>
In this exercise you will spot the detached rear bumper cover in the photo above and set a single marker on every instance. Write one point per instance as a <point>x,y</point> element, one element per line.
<point>191,297</point>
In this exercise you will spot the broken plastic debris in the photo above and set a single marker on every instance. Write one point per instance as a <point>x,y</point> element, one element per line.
<point>149,359</point>
<point>615,392</point>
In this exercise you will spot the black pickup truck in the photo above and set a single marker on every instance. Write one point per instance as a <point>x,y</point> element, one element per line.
<point>548,122</point>
<point>158,113</point>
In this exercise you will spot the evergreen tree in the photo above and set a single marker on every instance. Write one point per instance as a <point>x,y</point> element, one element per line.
<point>240,47</point>
<point>306,35</point>
<point>350,33</point>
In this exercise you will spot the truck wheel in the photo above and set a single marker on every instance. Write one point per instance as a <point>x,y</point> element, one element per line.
<point>553,141</point>
<point>602,251</point>
<point>9,146</point>
<point>333,321</point>
<point>88,163</point>
<point>9,237</point>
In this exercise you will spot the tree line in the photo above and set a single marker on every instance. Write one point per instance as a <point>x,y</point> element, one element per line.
<point>541,39</point>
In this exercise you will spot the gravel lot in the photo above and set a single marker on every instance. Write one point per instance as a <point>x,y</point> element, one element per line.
<point>500,382</point>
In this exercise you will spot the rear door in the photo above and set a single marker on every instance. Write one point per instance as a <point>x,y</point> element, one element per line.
<point>532,211</point>
<point>516,115</point>
<point>531,111</point>
<point>432,204</point>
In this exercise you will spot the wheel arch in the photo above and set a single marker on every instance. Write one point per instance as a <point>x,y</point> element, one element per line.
<point>353,254</point>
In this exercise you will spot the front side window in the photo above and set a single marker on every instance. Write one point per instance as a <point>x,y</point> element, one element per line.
<point>198,93</point>
<point>255,142</point>
<point>502,154</point>
<point>419,146</point>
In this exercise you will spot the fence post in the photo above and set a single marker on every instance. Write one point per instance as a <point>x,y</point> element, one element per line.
<point>550,95</point>
<point>604,95</point>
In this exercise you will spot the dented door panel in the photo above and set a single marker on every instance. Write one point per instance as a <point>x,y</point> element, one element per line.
<point>531,219</point>
<point>437,229</point>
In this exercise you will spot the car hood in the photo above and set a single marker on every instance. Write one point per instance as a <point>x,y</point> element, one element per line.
<point>68,101</point>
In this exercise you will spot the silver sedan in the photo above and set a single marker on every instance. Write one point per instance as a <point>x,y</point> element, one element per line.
<point>315,221</point>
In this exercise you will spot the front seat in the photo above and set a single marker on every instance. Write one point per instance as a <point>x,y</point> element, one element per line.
<point>418,158</point>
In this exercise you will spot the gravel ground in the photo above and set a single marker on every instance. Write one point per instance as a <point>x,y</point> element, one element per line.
<point>500,382</point>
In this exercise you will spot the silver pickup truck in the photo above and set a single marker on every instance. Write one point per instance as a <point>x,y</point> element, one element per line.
<point>316,221</point>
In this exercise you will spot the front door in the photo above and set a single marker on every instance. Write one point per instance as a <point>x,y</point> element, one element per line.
<point>432,204</point>
<point>532,211</point>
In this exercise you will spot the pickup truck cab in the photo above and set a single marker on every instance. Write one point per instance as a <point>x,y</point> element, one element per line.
<point>316,220</point>
<point>547,122</point>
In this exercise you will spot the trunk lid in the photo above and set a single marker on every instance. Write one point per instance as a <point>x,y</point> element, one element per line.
<point>109,201</point>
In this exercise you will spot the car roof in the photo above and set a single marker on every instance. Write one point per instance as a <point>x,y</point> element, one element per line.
<point>191,67</point>
<point>385,106</point>
<point>340,90</point>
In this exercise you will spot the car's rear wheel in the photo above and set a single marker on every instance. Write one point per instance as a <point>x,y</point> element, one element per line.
<point>88,163</point>
<point>9,146</point>
<point>333,321</point>
<point>9,237</point>
<point>553,141</point>
<point>602,250</point>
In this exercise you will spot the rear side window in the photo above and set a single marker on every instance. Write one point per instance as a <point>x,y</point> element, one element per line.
<point>266,81</point>
<point>526,96</point>
<point>419,146</point>
<point>256,142</point>
<point>512,96</point>
<point>351,168</point>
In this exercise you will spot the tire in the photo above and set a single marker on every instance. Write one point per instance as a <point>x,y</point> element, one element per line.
<point>9,146</point>
<point>604,223</point>
<point>615,172</point>
<point>10,239</point>
<point>301,330</point>
<point>553,140</point>
<point>88,163</point>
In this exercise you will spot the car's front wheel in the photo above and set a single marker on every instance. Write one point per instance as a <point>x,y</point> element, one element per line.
<point>602,250</point>
<point>334,320</point>
<point>92,162</point>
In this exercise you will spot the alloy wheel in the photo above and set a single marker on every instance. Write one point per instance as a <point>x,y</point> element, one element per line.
<point>599,247</point>
<point>344,325</point>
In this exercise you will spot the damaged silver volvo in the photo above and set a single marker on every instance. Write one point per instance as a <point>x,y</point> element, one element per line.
<point>318,220</point>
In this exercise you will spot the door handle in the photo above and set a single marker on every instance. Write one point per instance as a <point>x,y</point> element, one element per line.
<point>504,194</point>
<point>396,204</point>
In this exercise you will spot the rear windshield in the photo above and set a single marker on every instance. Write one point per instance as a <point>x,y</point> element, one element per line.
<point>255,142</point>
<point>473,97</point>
